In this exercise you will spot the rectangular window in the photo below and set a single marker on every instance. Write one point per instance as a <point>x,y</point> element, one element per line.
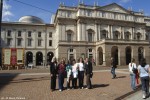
<point>69,37</point>
<point>19,42</point>
<point>39,42</point>
<point>50,42</point>
<point>8,42</point>
<point>50,34</point>
<point>29,42</point>
<point>39,34</point>
<point>29,33</point>
<point>19,33</point>
<point>9,33</point>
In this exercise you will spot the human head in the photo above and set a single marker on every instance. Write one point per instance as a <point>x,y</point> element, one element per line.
<point>132,60</point>
<point>62,61</point>
<point>86,59</point>
<point>80,59</point>
<point>73,62</point>
<point>143,62</point>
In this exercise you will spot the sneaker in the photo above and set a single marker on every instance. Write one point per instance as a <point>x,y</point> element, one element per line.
<point>86,88</point>
<point>144,97</point>
<point>60,90</point>
<point>68,89</point>
<point>82,87</point>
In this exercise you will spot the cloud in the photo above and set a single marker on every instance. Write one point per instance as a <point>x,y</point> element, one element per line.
<point>125,1</point>
<point>6,14</point>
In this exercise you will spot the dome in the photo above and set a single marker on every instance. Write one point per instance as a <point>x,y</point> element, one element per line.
<point>31,19</point>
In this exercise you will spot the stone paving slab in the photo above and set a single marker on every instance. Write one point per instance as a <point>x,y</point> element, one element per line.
<point>37,87</point>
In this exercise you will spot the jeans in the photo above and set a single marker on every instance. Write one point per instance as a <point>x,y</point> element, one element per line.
<point>74,83</point>
<point>88,81</point>
<point>145,85</point>
<point>133,81</point>
<point>81,78</point>
<point>53,82</point>
<point>61,81</point>
<point>113,72</point>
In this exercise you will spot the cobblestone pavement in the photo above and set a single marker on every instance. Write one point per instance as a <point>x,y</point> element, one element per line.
<point>37,87</point>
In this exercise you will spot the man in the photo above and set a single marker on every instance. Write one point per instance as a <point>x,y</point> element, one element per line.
<point>113,67</point>
<point>53,73</point>
<point>88,73</point>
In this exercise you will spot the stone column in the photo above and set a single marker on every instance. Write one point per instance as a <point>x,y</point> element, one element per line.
<point>96,32</point>
<point>132,34</point>
<point>111,32</point>
<point>122,30</point>
<point>79,31</point>
<point>121,55</point>
<point>144,37</point>
<point>135,54</point>
<point>99,32</point>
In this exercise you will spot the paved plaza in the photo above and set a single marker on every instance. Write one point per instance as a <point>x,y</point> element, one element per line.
<point>34,84</point>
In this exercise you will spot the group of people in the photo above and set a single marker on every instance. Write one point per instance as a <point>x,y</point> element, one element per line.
<point>141,71</point>
<point>73,71</point>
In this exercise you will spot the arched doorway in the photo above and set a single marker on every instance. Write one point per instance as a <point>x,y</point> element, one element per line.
<point>128,55</point>
<point>39,58</point>
<point>29,57</point>
<point>50,55</point>
<point>114,53</point>
<point>140,53</point>
<point>100,56</point>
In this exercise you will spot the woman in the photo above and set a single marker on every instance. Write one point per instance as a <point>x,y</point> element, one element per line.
<point>81,72</point>
<point>75,74</point>
<point>61,74</point>
<point>144,70</point>
<point>53,73</point>
<point>69,71</point>
<point>132,66</point>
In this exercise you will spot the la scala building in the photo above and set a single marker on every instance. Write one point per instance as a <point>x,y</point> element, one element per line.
<point>96,32</point>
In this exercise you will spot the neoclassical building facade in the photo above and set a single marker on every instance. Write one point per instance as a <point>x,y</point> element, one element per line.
<point>96,32</point>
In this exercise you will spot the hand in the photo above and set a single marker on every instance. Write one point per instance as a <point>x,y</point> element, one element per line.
<point>51,75</point>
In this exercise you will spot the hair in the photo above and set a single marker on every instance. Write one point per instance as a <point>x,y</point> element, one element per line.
<point>132,60</point>
<point>143,62</point>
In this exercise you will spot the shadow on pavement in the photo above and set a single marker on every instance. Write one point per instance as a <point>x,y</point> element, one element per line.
<point>121,77</point>
<point>129,93</point>
<point>6,78</point>
<point>30,79</point>
<point>100,85</point>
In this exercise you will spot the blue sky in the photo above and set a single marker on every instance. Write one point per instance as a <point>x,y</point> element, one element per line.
<point>13,10</point>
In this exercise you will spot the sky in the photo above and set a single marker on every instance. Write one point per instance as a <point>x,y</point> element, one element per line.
<point>15,9</point>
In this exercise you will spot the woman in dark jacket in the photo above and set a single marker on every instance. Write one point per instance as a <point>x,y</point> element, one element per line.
<point>61,74</point>
<point>53,73</point>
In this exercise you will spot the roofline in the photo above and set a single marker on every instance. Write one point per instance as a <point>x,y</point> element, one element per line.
<point>23,23</point>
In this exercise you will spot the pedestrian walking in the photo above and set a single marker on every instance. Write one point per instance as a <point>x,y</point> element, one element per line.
<point>113,67</point>
<point>69,73</point>
<point>132,70</point>
<point>81,73</point>
<point>88,73</point>
<point>144,70</point>
<point>61,74</point>
<point>53,73</point>
<point>75,74</point>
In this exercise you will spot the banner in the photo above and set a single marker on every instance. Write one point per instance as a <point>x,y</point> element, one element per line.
<point>20,56</point>
<point>7,55</point>
<point>13,56</point>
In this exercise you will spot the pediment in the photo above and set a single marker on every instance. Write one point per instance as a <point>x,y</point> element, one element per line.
<point>114,8</point>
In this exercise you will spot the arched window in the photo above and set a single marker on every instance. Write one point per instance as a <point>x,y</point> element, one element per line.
<point>71,54</point>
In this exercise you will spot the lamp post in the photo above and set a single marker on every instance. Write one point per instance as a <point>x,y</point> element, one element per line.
<point>1,9</point>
